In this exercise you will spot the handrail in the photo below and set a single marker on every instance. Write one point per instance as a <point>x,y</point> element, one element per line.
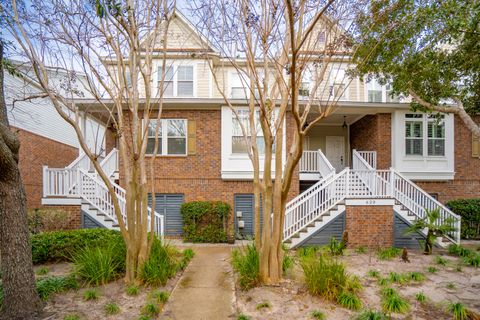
<point>359,162</point>
<point>110,163</point>
<point>324,166</point>
<point>82,161</point>
<point>370,157</point>
<point>311,207</point>
<point>309,161</point>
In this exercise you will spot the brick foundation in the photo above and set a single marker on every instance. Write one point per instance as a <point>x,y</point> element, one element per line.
<point>370,226</point>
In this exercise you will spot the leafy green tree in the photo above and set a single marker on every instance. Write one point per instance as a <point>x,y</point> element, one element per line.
<point>435,229</point>
<point>428,49</point>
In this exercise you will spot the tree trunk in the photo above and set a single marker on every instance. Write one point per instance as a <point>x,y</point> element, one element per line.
<point>20,296</point>
<point>429,243</point>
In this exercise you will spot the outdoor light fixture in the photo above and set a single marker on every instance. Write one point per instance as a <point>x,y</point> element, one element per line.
<point>344,125</point>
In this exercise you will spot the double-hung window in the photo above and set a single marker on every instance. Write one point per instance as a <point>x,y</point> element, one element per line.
<point>172,137</point>
<point>374,91</point>
<point>338,87</point>
<point>414,134</point>
<point>239,140</point>
<point>418,143</point>
<point>178,81</point>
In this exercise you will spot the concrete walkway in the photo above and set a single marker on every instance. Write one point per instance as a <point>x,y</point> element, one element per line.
<point>206,289</point>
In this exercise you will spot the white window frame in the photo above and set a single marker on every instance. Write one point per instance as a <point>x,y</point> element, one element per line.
<point>258,129</point>
<point>165,137</point>
<point>175,80</point>
<point>337,79</point>
<point>425,120</point>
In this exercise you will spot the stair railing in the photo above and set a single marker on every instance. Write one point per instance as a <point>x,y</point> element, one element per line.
<point>110,163</point>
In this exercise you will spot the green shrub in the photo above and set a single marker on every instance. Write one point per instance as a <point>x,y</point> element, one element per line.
<point>458,310</point>
<point>349,300</point>
<point>100,265</point>
<point>151,309</point>
<point>205,221</point>
<point>163,264</point>
<point>336,247</point>
<point>432,269</point>
<point>132,290</point>
<point>318,315</point>
<point>71,317</point>
<point>469,210</point>
<point>392,302</point>
<point>327,277</point>
<point>111,308</point>
<point>420,297</point>
<point>371,315</point>
<point>188,255</point>
<point>416,276</point>
<point>441,261</point>
<point>91,294</point>
<point>161,296</point>
<point>243,317</point>
<point>51,285</point>
<point>61,245</point>
<point>473,260</point>
<point>42,271</point>
<point>388,253</point>
<point>245,262</point>
<point>397,278</point>
<point>373,274</point>
<point>382,281</point>
<point>460,251</point>
<point>287,262</point>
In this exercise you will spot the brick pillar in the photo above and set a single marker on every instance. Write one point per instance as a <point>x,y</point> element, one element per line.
<point>369,225</point>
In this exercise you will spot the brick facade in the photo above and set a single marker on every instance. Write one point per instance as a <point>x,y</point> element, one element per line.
<point>74,213</point>
<point>466,183</point>
<point>370,226</point>
<point>374,133</point>
<point>35,152</point>
<point>198,176</point>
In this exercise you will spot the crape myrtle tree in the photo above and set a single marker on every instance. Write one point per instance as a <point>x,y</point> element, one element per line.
<point>276,48</point>
<point>429,50</point>
<point>20,298</point>
<point>112,44</point>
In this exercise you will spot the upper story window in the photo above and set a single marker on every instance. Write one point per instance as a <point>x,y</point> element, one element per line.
<point>178,81</point>
<point>338,87</point>
<point>374,91</point>
<point>420,144</point>
<point>172,137</point>
<point>239,143</point>
<point>321,37</point>
<point>237,86</point>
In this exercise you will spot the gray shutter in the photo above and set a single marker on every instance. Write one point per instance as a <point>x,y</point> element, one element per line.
<point>169,205</point>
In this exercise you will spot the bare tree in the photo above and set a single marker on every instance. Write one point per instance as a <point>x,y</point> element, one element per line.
<point>275,47</point>
<point>113,45</point>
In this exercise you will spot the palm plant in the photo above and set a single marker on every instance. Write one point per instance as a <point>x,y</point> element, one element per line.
<point>435,227</point>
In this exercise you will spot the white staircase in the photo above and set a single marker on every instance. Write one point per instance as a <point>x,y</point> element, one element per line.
<point>324,201</point>
<point>80,180</point>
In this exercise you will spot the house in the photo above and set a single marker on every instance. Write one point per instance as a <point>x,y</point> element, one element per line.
<point>369,169</point>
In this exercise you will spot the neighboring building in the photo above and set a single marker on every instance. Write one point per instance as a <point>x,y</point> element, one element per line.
<point>399,161</point>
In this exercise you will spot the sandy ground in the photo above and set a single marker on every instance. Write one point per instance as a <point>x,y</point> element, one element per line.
<point>292,301</point>
<point>72,302</point>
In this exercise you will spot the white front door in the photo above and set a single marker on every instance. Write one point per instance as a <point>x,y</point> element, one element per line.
<point>335,152</point>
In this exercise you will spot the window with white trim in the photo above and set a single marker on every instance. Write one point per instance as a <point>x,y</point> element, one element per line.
<point>172,137</point>
<point>338,87</point>
<point>418,143</point>
<point>374,91</point>
<point>237,86</point>
<point>239,143</point>
<point>178,81</point>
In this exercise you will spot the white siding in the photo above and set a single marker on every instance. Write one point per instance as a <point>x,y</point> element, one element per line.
<point>37,116</point>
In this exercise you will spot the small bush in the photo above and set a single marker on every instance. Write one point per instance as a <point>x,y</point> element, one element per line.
<point>51,285</point>
<point>205,221</point>
<point>318,315</point>
<point>458,310</point>
<point>349,300</point>
<point>100,265</point>
<point>432,269</point>
<point>373,274</point>
<point>420,297</point>
<point>91,294</point>
<point>45,220</point>
<point>336,247</point>
<point>473,260</point>
<point>163,264</point>
<point>42,271</point>
<point>469,210</point>
<point>263,305</point>
<point>392,302</point>
<point>460,251</point>
<point>132,290</point>
<point>245,262</point>
<point>382,281</point>
<point>287,262</point>
<point>388,253</point>
<point>397,278</point>
<point>71,317</point>
<point>441,261</point>
<point>151,310</point>
<point>111,308</point>
<point>61,245</point>
<point>371,315</point>
<point>161,296</point>
<point>416,276</point>
<point>243,317</point>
